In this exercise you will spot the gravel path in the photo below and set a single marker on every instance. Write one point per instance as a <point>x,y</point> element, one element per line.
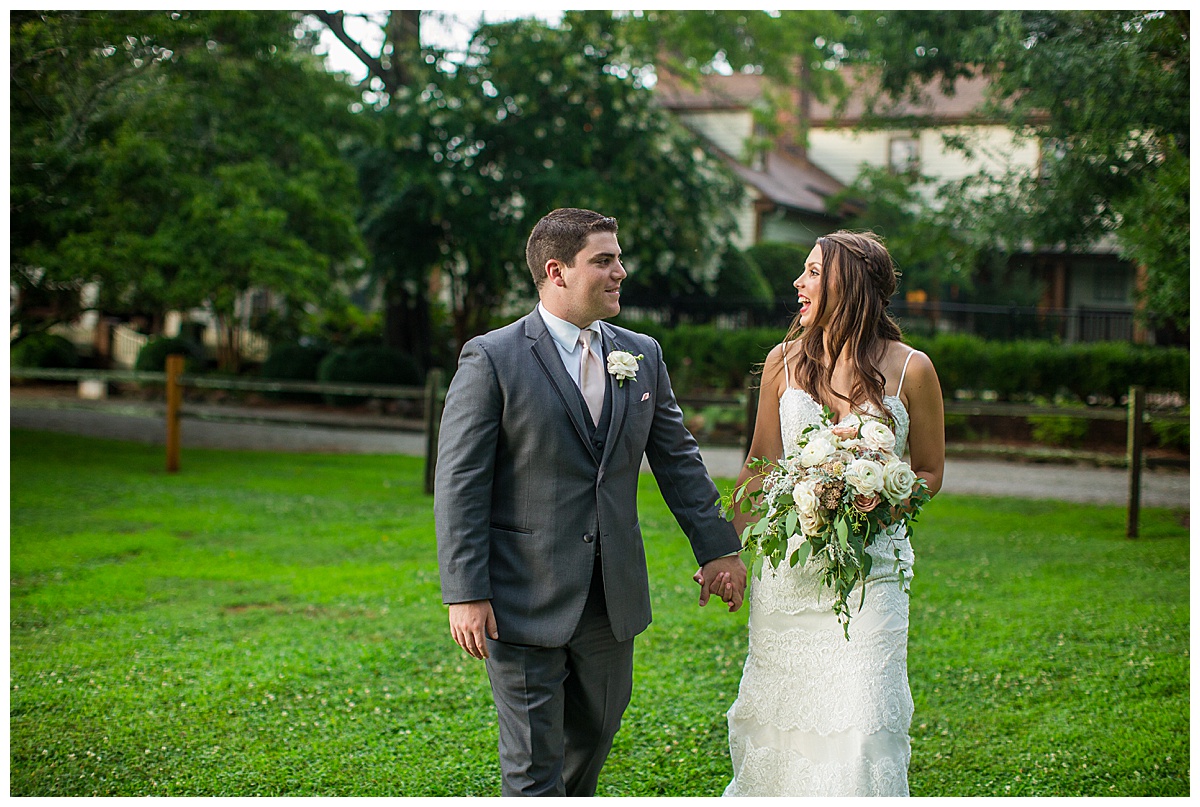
<point>142,422</point>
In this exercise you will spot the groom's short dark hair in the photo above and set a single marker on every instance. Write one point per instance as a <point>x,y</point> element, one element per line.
<point>560,235</point>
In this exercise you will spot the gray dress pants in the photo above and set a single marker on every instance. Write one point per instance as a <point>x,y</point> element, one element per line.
<point>560,707</point>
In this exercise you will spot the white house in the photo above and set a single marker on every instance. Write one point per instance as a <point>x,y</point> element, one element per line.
<point>1086,296</point>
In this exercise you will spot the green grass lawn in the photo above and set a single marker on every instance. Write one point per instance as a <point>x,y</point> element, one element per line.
<point>269,624</point>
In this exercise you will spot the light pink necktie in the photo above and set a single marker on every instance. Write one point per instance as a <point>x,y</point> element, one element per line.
<point>591,377</point>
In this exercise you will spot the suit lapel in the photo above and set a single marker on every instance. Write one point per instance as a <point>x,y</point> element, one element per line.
<point>545,352</point>
<point>620,396</point>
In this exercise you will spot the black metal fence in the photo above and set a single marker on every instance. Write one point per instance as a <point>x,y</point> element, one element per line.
<point>988,321</point>
<point>1017,322</point>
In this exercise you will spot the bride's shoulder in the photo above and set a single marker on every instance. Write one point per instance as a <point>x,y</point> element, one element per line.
<point>782,352</point>
<point>915,359</point>
<point>773,367</point>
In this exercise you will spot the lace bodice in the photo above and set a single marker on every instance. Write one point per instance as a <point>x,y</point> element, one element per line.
<point>802,410</point>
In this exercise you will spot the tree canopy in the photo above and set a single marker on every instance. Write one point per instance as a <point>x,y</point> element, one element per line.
<point>1105,92</point>
<point>538,117</point>
<point>177,160</point>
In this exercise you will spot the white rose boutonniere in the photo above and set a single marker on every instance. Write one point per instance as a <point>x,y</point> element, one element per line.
<point>623,365</point>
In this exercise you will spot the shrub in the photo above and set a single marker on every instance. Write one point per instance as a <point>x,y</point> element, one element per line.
<point>779,262</point>
<point>1172,435</point>
<point>367,364</point>
<point>47,350</point>
<point>153,356</point>
<point>293,362</point>
<point>707,357</point>
<point>1028,368</point>
<point>1057,430</point>
<point>740,283</point>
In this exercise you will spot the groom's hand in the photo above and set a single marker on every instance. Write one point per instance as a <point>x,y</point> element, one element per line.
<point>731,574</point>
<point>469,621</point>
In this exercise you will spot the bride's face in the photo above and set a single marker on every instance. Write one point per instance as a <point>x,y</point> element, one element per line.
<point>811,287</point>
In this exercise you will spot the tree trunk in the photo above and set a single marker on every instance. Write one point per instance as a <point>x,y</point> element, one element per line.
<point>229,348</point>
<point>404,34</point>
<point>406,322</point>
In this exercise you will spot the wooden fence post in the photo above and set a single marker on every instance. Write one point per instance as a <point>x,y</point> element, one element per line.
<point>1136,444</point>
<point>174,399</point>
<point>751,410</point>
<point>434,402</point>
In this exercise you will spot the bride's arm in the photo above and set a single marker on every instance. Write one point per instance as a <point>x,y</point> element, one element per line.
<point>767,441</point>
<point>927,422</point>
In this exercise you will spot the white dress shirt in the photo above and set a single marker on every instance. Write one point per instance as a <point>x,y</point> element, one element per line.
<point>566,339</point>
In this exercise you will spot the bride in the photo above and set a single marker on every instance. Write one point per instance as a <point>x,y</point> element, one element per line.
<point>816,714</point>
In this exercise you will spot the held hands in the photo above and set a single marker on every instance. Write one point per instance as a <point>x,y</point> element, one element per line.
<point>469,621</point>
<point>724,577</point>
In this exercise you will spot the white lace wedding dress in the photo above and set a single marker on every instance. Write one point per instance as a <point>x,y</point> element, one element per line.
<point>817,715</point>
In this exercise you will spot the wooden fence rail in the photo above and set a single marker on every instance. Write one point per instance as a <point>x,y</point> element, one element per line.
<point>1135,414</point>
<point>433,395</point>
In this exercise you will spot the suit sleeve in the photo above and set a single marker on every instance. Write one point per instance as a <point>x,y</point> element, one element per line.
<point>463,481</point>
<point>684,481</point>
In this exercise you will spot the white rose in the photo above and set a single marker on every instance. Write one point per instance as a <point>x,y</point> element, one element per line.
<point>877,436</point>
<point>623,365</point>
<point>816,452</point>
<point>898,481</point>
<point>844,457</point>
<point>865,476</point>
<point>805,496</point>
<point>811,523</point>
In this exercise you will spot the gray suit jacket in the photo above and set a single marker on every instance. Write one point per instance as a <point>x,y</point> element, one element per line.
<point>521,492</point>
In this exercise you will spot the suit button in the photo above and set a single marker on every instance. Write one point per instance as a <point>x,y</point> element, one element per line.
<point>587,539</point>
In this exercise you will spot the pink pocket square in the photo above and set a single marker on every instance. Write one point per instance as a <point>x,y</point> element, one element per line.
<point>645,397</point>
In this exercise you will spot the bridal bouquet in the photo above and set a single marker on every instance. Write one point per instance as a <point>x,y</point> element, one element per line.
<point>827,500</point>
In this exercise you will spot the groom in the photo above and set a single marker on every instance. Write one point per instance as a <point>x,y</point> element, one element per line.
<point>539,547</point>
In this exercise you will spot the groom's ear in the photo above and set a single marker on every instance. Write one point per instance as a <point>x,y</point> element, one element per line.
<point>554,271</point>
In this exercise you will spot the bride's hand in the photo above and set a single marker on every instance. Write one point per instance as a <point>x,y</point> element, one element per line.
<point>722,584</point>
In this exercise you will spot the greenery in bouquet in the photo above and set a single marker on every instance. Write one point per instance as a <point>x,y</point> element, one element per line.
<point>827,500</point>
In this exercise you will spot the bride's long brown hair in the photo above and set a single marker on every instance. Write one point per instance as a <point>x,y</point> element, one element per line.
<point>859,328</point>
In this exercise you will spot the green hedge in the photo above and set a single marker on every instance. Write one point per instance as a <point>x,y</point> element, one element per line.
<point>293,362</point>
<point>152,358</point>
<point>703,357</point>
<point>367,364</point>
<point>46,350</point>
<point>1020,369</point>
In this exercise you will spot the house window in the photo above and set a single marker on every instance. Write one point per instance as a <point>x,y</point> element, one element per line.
<point>1111,285</point>
<point>904,154</point>
<point>1052,152</point>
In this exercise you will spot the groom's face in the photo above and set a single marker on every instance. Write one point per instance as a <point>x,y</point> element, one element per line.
<point>591,283</point>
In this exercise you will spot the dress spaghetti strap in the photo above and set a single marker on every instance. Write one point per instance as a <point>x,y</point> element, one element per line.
<point>787,383</point>
<point>904,370</point>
